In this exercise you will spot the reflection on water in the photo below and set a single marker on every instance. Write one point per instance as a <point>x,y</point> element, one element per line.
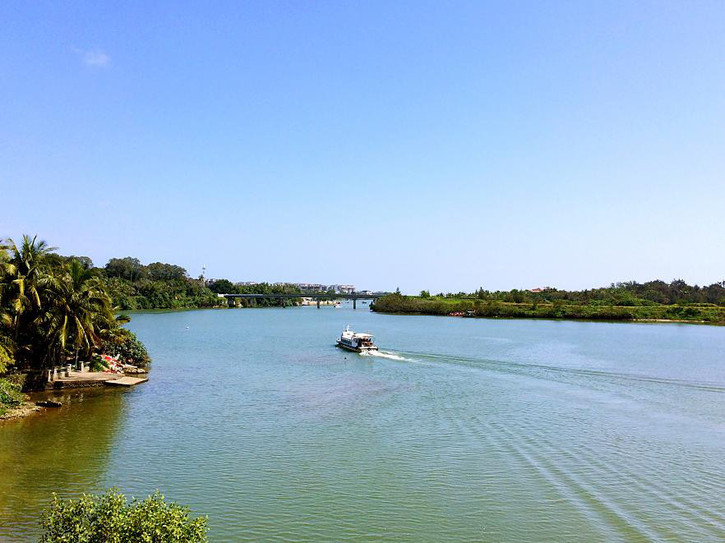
<point>458,430</point>
<point>63,450</point>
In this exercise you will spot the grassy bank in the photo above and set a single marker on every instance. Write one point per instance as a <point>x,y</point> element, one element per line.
<point>559,309</point>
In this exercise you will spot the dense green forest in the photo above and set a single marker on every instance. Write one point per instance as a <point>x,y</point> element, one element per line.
<point>654,300</point>
<point>54,310</point>
<point>133,285</point>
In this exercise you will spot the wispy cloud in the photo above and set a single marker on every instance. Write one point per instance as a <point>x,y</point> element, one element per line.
<point>93,57</point>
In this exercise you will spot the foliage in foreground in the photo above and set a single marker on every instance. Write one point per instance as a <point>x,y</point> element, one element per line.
<point>110,518</point>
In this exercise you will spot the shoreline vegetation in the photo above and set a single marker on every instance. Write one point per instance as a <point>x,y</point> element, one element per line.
<point>654,301</point>
<point>56,313</point>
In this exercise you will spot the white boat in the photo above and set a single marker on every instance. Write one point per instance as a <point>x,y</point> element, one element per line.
<point>356,342</point>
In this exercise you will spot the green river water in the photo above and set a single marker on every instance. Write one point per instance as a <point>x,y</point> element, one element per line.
<point>464,430</point>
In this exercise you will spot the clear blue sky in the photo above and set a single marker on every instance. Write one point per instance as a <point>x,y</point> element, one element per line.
<point>437,145</point>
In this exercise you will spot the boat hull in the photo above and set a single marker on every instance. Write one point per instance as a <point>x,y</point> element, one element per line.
<point>354,349</point>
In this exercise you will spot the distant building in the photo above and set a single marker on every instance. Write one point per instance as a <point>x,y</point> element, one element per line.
<point>311,287</point>
<point>306,287</point>
<point>342,289</point>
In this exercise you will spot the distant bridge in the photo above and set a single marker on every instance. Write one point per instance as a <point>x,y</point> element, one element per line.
<point>354,296</point>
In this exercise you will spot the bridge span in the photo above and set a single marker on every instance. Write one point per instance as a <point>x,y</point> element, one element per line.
<point>319,296</point>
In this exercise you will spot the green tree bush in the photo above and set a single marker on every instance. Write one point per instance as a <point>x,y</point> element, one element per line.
<point>127,347</point>
<point>222,286</point>
<point>110,518</point>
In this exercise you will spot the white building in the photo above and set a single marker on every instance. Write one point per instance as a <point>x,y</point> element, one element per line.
<point>342,289</point>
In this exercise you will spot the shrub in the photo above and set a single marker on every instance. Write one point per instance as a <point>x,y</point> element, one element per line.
<point>128,348</point>
<point>98,364</point>
<point>10,395</point>
<point>111,518</point>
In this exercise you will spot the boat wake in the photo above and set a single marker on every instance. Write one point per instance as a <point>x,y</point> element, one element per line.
<point>385,354</point>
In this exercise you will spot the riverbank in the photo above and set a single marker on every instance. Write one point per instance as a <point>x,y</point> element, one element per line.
<point>460,307</point>
<point>16,404</point>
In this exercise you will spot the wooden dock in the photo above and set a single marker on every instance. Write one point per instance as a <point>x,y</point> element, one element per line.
<point>82,379</point>
<point>127,381</point>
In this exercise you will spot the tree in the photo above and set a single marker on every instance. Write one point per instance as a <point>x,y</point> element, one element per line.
<point>84,261</point>
<point>21,285</point>
<point>678,291</point>
<point>158,271</point>
<point>424,294</point>
<point>6,320</point>
<point>222,286</point>
<point>126,268</point>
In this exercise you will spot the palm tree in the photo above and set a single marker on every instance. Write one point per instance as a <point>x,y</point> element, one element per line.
<point>78,314</point>
<point>23,272</point>
<point>6,320</point>
<point>50,307</point>
<point>5,278</point>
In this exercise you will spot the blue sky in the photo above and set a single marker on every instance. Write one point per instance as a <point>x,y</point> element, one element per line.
<point>437,145</point>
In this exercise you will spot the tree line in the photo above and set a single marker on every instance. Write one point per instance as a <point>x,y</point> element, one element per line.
<point>134,285</point>
<point>628,293</point>
<point>653,300</point>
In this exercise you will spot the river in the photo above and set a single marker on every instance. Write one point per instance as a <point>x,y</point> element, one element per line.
<point>464,430</point>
